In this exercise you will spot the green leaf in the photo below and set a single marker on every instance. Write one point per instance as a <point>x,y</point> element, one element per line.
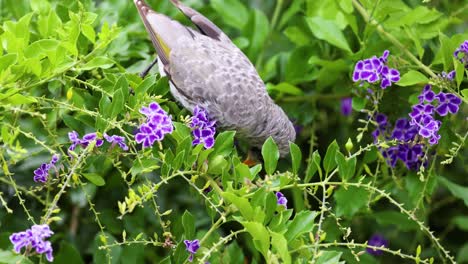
<point>295,7</point>
<point>217,164</point>
<point>19,99</point>
<point>8,257</point>
<point>260,236</point>
<point>285,87</point>
<point>256,30</point>
<point>359,103</point>
<point>233,12</point>
<point>329,162</point>
<point>346,167</point>
<point>386,218</point>
<point>298,35</point>
<point>462,256</point>
<point>68,254</point>
<point>98,62</point>
<point>7,60</point>
<point>313,166</point>
<point>302,223</point>
<point>327,30</point>
<point>95,178</point>
<point>41,47</point>
<point>330,257</point>
<point>411,78</point>
<point>181,132</point>
<point>40,6</point>
<point>296,156</point>
<point>458,191</point>
<point>143,165</point>
<point>188,222</point>
<point>178,160</point>
<point>243,171</point>
<point>241,203</point>
<point>270,155</point>
<point>88,32</point>
<point>280,244</point>
<point>461,222</point>
<point>350,200</point>
<point>224,143</point>
<point>459,72</point>
<point>118,103</point>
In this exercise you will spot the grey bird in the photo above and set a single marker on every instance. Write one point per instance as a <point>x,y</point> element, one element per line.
<point>205,68</point>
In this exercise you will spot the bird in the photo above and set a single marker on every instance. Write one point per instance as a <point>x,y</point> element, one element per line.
<point>206,69</point>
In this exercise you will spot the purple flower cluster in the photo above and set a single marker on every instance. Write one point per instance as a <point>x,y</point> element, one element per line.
<point>192,247</point>
<point>34,238</point>
<point>203,129</point>
<point>423,113</point>
<point>114,139</point>
<point>281,200</point>
<point>88,138</point>
<point>407,151</point>
<point>158,123</point>
<point>375,69</point>
<point>41,174</point>
<point>376,241</point>
<point>84,142</point>
<point>461,53</point>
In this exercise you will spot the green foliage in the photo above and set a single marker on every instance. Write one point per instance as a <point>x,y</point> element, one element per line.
<point>73,66</point>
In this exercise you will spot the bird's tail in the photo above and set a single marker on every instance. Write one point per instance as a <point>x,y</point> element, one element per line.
<point>164,32</point>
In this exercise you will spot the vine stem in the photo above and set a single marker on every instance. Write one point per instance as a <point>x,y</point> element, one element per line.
<point>365,245</point>
<point>64,185</point>
<point>391,38</point>
<point>410,215</point>
<point>223,240</point>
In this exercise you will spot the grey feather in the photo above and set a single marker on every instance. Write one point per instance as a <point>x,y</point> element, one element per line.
<point>210,71</point>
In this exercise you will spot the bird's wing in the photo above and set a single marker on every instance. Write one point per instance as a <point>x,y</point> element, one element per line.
<point>218,76</point>
<point>205,25</point>
<point>164,31</point>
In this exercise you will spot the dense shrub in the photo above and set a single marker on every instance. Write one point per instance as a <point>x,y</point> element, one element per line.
<point>99,165</point>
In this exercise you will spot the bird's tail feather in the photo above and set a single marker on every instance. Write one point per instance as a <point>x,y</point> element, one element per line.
<point>164,32</point>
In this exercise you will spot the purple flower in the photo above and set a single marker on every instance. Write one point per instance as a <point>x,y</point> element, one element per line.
<point>346,106</point>
<point>404,131</point>
<point>203,129</point>
<point>406,150</point>
<point>158,124</point>
<point>389,76</point>
<point>54,159</point>
<point>447,103</point>
<point>192,246</point>
<point>88,138</point>
<point>427,95</point>
<point>382,123</point>
<point>376,240</point>
<point>34,238</point>
<point>281,200</point>
<point>41,174</point>
<point>152,110</point>
<point>375,69</point>
<point>423,114</point>
<point>114,139</point>
<point>461,53</point>
<point>447,76</point>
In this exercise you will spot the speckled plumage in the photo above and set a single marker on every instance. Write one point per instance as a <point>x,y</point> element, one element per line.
<point>205,68</point>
